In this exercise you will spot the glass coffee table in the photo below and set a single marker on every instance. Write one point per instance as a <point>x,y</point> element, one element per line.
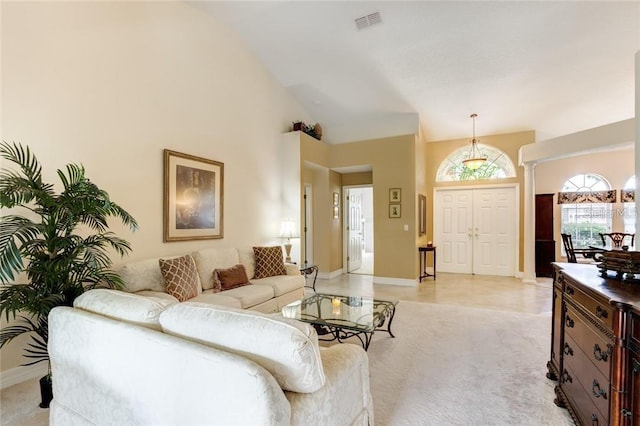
<point>340,317</point>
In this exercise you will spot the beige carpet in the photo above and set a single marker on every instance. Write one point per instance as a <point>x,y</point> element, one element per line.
<point>448,365</point>
<point>453,365</point>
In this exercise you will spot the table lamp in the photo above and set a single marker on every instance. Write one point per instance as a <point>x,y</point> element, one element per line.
<point>288,231</point>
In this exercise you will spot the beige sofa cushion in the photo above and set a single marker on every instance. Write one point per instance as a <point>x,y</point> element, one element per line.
<point>217,299</point>
<point>209,259</point>
<point>281,284</point>
<point>123,306</point>
<point>250,295</point>
<point>142,275</point>
<point>288,349</point>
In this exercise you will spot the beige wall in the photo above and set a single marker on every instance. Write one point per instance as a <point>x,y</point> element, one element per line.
<point>615,166</point>
<point>509,143</point>
<point>111,84</point>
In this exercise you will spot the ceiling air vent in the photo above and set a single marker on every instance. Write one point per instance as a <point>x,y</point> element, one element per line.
<point>368,20</point>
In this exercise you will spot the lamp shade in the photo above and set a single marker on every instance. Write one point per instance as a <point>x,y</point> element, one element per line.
<point>288,229</point>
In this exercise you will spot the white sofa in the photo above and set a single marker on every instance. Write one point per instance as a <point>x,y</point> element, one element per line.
<point>123,359</point>
<point>269,294</point>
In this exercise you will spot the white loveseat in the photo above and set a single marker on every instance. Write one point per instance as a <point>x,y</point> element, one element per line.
<point>269,294</point>
<point>122,359</point>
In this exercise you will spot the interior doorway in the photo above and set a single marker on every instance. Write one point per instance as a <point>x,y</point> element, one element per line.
<point>307,227</point>
<point>358,229</point>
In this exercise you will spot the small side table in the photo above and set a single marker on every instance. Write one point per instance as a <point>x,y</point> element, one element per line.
<point>310,270</point>
<point>422,252</point>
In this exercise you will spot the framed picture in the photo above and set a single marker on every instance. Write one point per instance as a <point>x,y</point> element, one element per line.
<point>193,197</point>
<point>422,211</point>
<point>336,212</point>
<point>395,195</point>
<point>336,199</point>
<point>395,211</point>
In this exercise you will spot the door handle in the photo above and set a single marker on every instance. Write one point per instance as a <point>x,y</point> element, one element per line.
<point>469,232</point>
<point>477,232</point>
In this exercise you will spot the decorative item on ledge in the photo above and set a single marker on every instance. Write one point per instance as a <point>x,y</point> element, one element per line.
<point>621,262</point>
<point>314,131</point>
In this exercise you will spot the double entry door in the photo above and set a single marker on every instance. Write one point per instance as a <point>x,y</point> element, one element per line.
<point>475,230</point>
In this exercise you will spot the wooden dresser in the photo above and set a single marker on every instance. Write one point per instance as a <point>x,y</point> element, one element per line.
<point>595,346</point>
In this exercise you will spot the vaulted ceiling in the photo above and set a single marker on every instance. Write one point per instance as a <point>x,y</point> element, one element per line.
<point>553,67</point>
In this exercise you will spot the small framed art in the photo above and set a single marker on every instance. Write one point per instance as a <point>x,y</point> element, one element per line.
<point>395,211</point>
<point>395,195</point>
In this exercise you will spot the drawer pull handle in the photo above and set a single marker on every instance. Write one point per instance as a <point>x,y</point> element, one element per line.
<point>625,412</point>
<point>570,290</point>
<point>568,350</point>
<point>601,313</point>
<point>599,355</point>
<point>636,366</point>
<point>566,377</point>
<point>569,322</point>
<point>594,420</point>
<point>598,391</point>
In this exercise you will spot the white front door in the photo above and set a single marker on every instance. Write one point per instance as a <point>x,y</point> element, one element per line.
<point>453,221</point>
<point>475,230</point>
<point>493,231</point>
<point>354,231</point>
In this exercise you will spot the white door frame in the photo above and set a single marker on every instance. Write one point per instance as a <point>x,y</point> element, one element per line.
<point>345,223</point>
<point>307,225</point>
<point>516,231</point>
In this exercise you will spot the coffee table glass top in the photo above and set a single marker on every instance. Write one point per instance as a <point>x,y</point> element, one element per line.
<point>363,314</point>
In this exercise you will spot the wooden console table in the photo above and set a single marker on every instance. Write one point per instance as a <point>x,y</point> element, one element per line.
<point>595,346</point>
<point>422,252</point>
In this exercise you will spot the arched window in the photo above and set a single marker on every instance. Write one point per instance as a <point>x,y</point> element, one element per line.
<point>629,211</point>
<point>497,166</point>
<point>584,217</point>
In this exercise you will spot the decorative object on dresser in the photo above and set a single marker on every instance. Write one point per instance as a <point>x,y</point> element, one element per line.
<point>594,342</point>
<point>621,262</point>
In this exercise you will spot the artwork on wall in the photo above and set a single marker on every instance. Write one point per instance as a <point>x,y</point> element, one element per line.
<point>422,211</point>
<point>395,208</point>
<point>395,211</point>
<point>395,195</point>
<point>193,197</point>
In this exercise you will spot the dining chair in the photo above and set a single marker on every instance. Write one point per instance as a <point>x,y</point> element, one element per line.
<point>589,254</point>
<point>617,238</point>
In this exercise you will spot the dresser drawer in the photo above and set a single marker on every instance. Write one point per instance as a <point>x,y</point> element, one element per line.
<point>596,348</point>
<point>603,312</point>
<point>594,383</point>
<point>580,400</point>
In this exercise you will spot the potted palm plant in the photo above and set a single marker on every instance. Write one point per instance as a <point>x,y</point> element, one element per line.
<point>61,244</point>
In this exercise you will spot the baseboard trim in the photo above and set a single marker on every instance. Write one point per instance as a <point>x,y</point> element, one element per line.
<point>17,375</point>
<point>395,281</point>
<point>330,275</point>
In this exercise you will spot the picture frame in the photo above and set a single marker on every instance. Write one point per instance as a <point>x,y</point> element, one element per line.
<point>193,197</point>
<point>336,212</point>
<point>395,211</point>
<point>422,215</point>
<point>395,195</point>
<point>336,199</point>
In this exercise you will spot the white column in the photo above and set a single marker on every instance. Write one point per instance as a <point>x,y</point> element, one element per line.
<point>529,272</point>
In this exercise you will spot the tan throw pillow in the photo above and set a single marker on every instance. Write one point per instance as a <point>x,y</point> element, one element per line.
<point>269,262</point>
<point>229,278</point>
<point>181,277</point>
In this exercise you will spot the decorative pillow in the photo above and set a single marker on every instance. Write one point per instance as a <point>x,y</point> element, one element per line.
<point>181,277</point>
<point>229,278</point>
<point>269,262</point>
<point>287,348</point>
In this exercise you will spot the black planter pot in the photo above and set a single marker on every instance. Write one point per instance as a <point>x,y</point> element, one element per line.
<point>46,391</point>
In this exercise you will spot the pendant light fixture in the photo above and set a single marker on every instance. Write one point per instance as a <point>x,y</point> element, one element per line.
<point>475,158</point>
